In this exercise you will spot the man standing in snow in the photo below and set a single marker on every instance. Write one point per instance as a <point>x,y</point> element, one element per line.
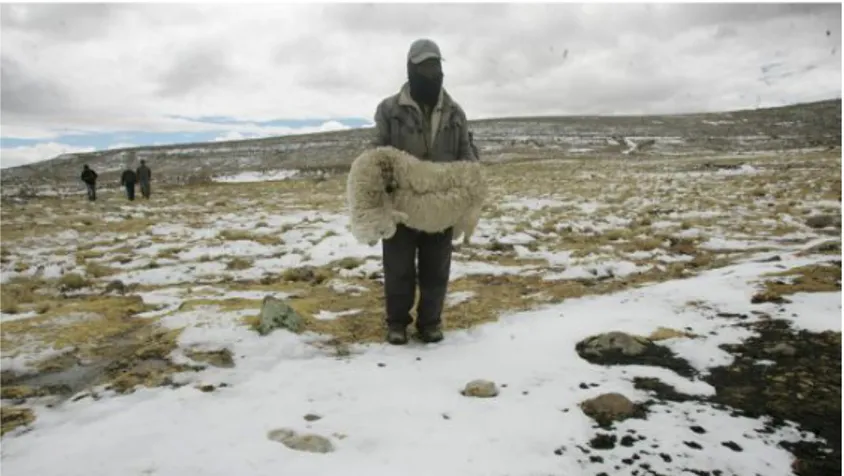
<point>423,120</point>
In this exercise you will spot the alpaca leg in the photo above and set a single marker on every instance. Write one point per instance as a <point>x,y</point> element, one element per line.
<point>399,260</point>
<point>434,269</point>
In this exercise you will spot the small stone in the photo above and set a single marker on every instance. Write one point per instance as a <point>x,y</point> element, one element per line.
<point>627,441</point>
<point>301,442</point>
<point>206,388</point>
<point>698,429</point>
<point>822,221</point>
<point>312,417</point>
<point>115,286</point>
<point>627,344</point>
<point>480,389</point>
<point>275,313</point>
<point>608,408</point>
<point>382,364</point>
<point>732,445</point>
<point>665,457</point>
<point>596,459</point>
<point>583,385</point>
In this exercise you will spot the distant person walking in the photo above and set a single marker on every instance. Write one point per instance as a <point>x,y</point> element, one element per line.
<point>144,177</point>
<point>90,178</point>
<point>128,180</point>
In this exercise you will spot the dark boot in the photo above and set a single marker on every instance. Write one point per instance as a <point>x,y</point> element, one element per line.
<point>397,336</point>
<point>429,335</point>
<point>434,270</point>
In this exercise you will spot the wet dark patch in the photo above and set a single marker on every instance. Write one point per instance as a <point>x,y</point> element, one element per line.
<point>654,355</point>
<point>803,386</point>
<point>603,441</point>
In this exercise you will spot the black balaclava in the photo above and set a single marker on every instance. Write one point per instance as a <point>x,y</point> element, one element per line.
<point>424,88</point>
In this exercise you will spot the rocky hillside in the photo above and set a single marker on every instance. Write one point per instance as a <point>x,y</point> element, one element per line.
<point>748,131</point>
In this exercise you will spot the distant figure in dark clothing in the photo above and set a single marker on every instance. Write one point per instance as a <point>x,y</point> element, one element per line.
<point>144,177</point>
<point>128,180</point>
<point>90,178</point>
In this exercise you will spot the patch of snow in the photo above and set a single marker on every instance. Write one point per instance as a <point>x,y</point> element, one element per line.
<point>257,176</point>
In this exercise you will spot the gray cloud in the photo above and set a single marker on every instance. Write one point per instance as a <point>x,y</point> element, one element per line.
<point>24,93</point>
<point>194,69</point>
<point>261,62</point>
<point>61,22</point>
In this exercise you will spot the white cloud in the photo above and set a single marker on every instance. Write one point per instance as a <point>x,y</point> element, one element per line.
<point>98,68</point>
<point>22,155</point>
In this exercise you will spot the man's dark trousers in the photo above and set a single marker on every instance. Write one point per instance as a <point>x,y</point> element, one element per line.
<point>145,189</point>
<point>92,191</point>
<point>401,274</point>
<point>130,190</point>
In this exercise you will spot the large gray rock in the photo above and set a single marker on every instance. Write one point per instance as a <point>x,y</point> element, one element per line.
<point>627,344</point>
<point>275,314</point>
<point>301,442</point>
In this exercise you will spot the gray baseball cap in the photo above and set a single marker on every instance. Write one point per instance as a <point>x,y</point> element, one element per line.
<point>423,49</point>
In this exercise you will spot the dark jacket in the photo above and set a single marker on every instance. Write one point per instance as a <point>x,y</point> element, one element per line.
<point>144,174</point>
<point>400,123</point>
<point>88,176</point>
<point>128,177</point>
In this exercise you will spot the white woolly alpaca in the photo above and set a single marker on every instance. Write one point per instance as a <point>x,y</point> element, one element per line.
<point>387,186</point>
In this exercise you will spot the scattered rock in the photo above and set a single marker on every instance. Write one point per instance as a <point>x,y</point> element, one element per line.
<point>301,442</point>
<point>116,286</point>
<point>610,407</point>
<point>207,388</point>
<point>698,429</point>
<point>218,358</point>
<point>627,441</point>
<point>275,313</point>
<point>14,417</point>
<point>613,342</point>
<point>732,445</point>
<point>619,348</point>
<point>823,221</point>
<point>480,389</point>
<point>782,348</point>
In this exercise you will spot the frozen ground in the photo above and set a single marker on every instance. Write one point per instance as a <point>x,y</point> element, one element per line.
<point>566,250</point>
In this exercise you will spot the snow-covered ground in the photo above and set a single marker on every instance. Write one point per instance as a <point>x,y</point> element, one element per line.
<point>388,406</point>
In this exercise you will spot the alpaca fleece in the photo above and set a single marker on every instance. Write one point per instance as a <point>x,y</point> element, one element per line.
<point>387,186</point>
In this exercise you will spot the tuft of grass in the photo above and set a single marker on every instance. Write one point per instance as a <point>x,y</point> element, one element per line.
<point>236,235</point>
<point>239,263</point>
<point>73,282</point>
<point>97,270</point>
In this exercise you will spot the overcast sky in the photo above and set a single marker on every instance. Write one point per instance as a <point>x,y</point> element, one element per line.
<point>95,76</point>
